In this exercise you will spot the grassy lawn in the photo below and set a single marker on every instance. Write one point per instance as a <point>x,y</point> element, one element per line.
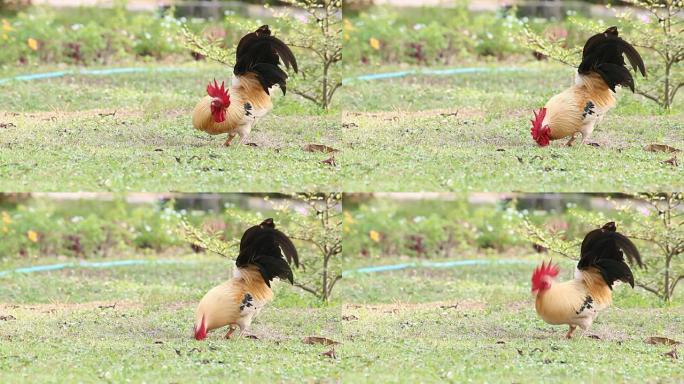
<point>471,132</point>
<point>132,132</point>
<point>135,324</point>
<point>478,324</point>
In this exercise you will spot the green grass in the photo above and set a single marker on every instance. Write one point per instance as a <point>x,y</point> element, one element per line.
<point>474,324</point>
<point>62,135</point>
<point>471,133</point>
<point>66,330</point>
<point>478,324</point>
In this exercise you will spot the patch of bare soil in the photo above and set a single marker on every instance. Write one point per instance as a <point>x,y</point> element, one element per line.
<point>6,116</point>
<point>400,115</point>
<point>68,307</point>
<point>351,311</point>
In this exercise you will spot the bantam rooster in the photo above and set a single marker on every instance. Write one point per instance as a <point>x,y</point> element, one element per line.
<point>579,108</point>
<point>577,302</point>
<point>235,110</point>
<point>236,302</point>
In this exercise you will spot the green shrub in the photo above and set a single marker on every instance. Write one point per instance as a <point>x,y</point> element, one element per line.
<point>427,36</point>
<point>42,227</point>
<point>387,227</point>
<point>88,36</point>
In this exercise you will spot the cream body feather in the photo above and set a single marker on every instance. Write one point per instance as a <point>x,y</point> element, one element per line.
<point>576,302</point>
<point>248,104</point>
<point>579,108</point>
<point>235,302</point>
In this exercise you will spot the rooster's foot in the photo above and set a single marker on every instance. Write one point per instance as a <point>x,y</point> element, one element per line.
<point>228,140</point>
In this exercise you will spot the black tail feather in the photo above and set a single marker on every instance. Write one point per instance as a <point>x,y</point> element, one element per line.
<point>604,249</point>
<point>269,75</point>
<point>603,54</point>
<point>263,246</point>
<point>259,52</point>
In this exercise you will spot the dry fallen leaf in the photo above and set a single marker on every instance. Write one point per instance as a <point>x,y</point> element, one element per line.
<point>319,148</point>
<point>656,340</point>
<point>7,318</point>
<point>660,148</point>
<point>330,161</point>
<point>331,354</point>
<point>350,317</point>
<point>672,161</point>
<point>673,354</point>
<point>318,340</point>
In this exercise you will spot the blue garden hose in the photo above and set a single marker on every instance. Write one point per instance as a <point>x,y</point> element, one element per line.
<point>89,264</point>
<point>431,72</point>
<point>372,269</point>
<point>92,72</point>
<point>432,264</point>
<point>369,77</point>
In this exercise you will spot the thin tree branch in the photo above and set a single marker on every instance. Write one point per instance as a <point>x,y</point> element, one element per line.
<point>652,290</point>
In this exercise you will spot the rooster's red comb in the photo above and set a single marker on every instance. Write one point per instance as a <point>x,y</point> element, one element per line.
<point>218,92</point>
<point>541,273</point>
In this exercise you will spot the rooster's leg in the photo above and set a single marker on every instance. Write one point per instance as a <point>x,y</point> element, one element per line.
<point>230,138</point>
<point>572,140</point>
<point>570,332</point>
<point>231,329</point>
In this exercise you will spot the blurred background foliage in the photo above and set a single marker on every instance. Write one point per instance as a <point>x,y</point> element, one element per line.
<point>456,35</point>
<point>38,227</point>
<point>100,226</point>
<point>43,35</point>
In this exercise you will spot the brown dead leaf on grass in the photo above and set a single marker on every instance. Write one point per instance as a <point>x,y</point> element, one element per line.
<point>657,340</point>
<point>330,161</point>
<point>319,148</point>
<point>672,161</point>
<point>660,148</point>
<point>673,354</point>
<point>319,340</point>
<point>331,354</point>
<point>7,318</point>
